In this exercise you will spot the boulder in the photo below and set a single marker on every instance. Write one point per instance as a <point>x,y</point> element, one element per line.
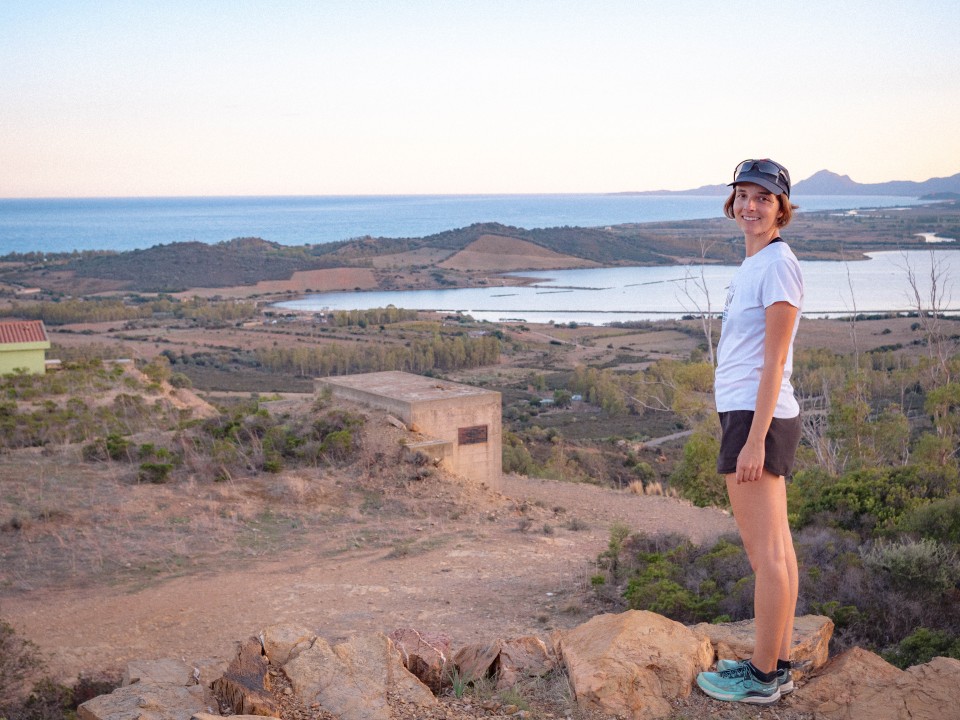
<point>164,672</point>
<point>245,686</point>
<point>352,680</point>
<point>811,641</point>
<point>426,655</point>
<point>282,643</point>
<point>632,664</point>
<point>141,701</point>
<point>477,661</point>
<point>929,694</point>
<point>858,685</point>
<point>509,661</point>
<point>521,658</point>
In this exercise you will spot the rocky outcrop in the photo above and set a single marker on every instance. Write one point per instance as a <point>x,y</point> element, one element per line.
<point>352,680</point>
<point>426,655</point>
<point>811,641</point>
<point>506,661</point>
<point>154,690</point>
<point>245,686</point>
<point>633,665</point>
<point>858,685</point>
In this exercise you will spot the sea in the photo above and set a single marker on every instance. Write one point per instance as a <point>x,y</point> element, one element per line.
<point>66,225</point>
<point>591,296</point>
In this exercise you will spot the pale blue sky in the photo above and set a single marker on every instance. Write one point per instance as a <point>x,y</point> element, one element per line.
<point>201,97</point>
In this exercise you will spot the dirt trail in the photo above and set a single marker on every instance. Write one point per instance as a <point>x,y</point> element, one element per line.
<point>475,578</point>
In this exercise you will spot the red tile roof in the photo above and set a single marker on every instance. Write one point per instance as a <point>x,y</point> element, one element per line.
<point>22,331</point>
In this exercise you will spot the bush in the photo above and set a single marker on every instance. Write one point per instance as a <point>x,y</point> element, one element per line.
<point>48,700</point>
<point>865,500</point>
<point>516,457</point>
<point>179,380</point>
<point>921,646</point>
<point>154,472</point>
<point>937,520</point>
<point>696,475</point>
<point>915,566</point>
<point>338,445</point>
<point>688,583</point>
<point>113,447</point>
<point>20,659</point>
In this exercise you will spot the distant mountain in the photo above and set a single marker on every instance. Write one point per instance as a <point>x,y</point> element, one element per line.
<point>828,183</point>
<point>825,182</point>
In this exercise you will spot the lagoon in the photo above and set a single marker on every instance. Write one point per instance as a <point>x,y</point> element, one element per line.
<point>604,295</point>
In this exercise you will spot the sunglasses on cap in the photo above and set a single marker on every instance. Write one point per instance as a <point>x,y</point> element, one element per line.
<point>777,172</point>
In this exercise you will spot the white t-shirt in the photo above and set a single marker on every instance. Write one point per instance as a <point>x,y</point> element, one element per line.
<point>771,275</point>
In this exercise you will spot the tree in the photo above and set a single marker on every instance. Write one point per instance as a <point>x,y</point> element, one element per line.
<point>696,474</point>
<point>930,303</point>
<point>700,285</point>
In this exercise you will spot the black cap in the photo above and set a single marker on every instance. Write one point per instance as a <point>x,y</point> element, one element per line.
<point>767,174</point>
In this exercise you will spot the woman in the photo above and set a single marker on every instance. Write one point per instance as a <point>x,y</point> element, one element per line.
<point>760,421</point>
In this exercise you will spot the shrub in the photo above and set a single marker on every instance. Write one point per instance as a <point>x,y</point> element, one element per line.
<point>937,520</point>
<point>179,380</point>
<point>48,700</point>
<point>915,566</point>
<point>610,558</point>
<point>688,583</point>
<point>338,445</point>
<point>113,447</point>
<point>20,659</point>
<point>696,475</point>
<point>865,500</point>
<point>921,646</point>
<point>516,457</point>
<point>154,472</point>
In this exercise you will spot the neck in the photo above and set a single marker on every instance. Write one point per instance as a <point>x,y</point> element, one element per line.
<point>756,243</point>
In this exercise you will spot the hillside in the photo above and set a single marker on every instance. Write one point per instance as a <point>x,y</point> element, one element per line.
<point>825,182</point>
<point>429,262</point>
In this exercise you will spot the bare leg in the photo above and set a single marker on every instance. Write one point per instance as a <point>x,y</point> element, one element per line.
<point>759,509</point>
<point>786,642</point>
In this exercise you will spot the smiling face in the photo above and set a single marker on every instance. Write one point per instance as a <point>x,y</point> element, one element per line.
<point>756,211</point>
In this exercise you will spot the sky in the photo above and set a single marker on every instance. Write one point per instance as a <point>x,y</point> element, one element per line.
<point>366,97</point>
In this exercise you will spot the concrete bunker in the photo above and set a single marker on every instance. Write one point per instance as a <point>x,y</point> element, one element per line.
<point>462,423</point>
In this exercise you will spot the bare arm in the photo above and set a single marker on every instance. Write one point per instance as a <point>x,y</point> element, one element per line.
<point>779,319</point>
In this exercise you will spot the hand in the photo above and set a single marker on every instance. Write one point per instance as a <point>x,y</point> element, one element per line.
<point>750,462</point>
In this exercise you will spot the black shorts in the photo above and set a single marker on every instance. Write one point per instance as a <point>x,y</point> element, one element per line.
<point>780,445</point>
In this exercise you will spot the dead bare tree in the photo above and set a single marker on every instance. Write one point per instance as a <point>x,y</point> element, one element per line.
<point>815,411</point>
<point>930,304</point>
<point>700,284</point>
<point>853,316</point>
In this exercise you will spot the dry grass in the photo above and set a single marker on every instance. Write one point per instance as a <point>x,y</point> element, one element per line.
<point>494,253</point>
<point>325,280</point>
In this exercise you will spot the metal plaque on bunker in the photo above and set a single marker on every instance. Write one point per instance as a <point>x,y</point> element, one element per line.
<point>473,435</point>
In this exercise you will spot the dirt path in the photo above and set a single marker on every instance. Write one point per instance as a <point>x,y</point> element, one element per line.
<point>475,578</point>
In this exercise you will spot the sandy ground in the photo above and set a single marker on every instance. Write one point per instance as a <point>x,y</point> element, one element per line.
<point>469,572</point>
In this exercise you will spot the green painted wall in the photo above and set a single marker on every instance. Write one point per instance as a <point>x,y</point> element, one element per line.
<point>29,356</point>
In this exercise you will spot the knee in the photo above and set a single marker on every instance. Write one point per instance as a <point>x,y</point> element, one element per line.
<point>771,558</point>
<point>771,564</point>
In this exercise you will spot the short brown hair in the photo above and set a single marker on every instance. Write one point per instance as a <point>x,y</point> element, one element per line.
<point>786,208</point>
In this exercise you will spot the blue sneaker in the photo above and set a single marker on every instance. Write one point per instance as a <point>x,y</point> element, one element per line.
<point>738,684</point>
<point>784,677</point>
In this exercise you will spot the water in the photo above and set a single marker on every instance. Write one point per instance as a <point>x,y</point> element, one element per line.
<point>65,225</point>
<point>604,295</point>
